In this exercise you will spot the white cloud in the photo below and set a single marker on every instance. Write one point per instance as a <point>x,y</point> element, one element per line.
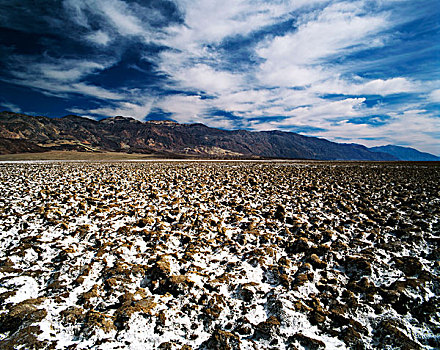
<point>120,16</point>
<point>75,10</point>
<point>11,107</point>
<point>408,127</point>
<point>360,86</point>
<point>210,21</point>
<point>434,96</point>
<point>184,109</point>
<point>94,91</point>
<point>125,109</point>
<point>66,70</point>
<point>323,114</point>
<point>51,69</point>
<point>297,58</point>
<point>99,37</point>
<point>276,75</point>
<point>414,128</point>
<point>264,102</point>
<point>385,87</point>
<point>193,109</point>
<point>205,78</point>
<point>60,77</point>
<point>300,58</point>
<point>58,89</point>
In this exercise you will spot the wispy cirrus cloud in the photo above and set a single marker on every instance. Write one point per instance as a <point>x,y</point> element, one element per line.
<point>11,107</point>
<point>99,38</point>
<point>117,17</point>
<point>58,77</point>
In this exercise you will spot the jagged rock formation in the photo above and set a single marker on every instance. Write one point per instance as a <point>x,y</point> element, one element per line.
<point>166,138</point>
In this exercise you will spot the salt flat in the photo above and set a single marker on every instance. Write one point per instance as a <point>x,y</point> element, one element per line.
<point>219,255</point>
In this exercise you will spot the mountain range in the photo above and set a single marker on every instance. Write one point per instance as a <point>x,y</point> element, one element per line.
<point>20,133</point>
<point>406,153</point>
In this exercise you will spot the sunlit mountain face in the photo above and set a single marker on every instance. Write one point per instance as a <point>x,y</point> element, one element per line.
<point>349,71</point>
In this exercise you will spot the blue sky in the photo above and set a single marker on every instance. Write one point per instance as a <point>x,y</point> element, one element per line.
<point>350,71</point>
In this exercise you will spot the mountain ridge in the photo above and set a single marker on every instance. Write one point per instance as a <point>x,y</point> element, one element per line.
<point>406,153</point>
<point>24,133</point>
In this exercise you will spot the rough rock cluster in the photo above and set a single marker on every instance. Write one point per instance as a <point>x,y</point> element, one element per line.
<point>219,255</point>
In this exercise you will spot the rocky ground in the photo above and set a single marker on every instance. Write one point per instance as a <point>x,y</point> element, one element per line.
<point>216,255</point>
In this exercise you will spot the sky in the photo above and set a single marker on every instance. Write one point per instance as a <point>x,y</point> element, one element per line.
<point>362,71</point>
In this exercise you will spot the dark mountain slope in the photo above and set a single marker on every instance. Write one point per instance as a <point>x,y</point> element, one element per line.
<point>36,134</point>
<point>405,153</point>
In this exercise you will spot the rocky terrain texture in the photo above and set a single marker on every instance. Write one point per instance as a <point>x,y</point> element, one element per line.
<point>21,133</point>
<point>219,255</point>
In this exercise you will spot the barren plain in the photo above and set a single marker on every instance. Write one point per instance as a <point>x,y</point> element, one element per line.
<point>219,255</point>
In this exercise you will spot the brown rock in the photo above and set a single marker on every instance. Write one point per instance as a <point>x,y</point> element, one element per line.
<point>310,343</point>
<point>352,338</point>
<point>26,338</point>
<point>267,329</point>
<point>409,265</point>
<point>24,313</point>
<point>357,266</point>
<point>389,332</point>
<point>72,315</point>
<point>94,320</point>
<point>221,340</point>
<point>161,269</point>
<point>175,285</point>
<point>130,307</point>
<point>213,312</point>
<point>316,262</point>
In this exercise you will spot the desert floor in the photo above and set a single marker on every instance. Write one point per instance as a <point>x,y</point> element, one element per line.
<point>219,255</point>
